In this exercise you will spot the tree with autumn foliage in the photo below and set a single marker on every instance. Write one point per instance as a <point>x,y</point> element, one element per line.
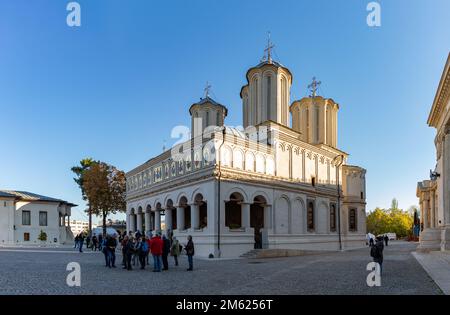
<point>105,188</point>
<point>392,220</point>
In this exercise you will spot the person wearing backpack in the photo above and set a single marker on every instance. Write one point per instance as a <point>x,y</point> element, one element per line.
<point>376,251</point>
<point>143,251</point>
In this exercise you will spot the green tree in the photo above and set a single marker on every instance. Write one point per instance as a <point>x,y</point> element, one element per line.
<point>42,236</point>
<point>393,220</point>
<point>105,188</point>
<point>79,172</point>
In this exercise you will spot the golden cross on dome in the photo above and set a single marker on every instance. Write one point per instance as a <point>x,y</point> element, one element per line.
<point>269,48</point>
<point>207,89</point>
<point>314,86</point>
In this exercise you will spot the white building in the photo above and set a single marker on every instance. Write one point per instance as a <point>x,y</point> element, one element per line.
<point>434,194</point>
<point>78,226</point>
<point>24,215</point>
<point>273,185</point>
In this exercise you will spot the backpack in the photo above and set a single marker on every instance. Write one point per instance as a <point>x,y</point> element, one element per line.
<point>374,251</point>
<point>144,247</point>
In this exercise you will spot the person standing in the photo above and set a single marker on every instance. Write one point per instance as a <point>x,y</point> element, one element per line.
<point>88,241</point>
<point>371,241</point>
<point>143,251</point>
<point>80,242</point>
<point>77,238</point>
<point>190,253</point>
<point>386,239</point>
<point>165,252</point>
<point>156,246</point>
<point>105,251</point>
<point>376,252</point>
<point>124,251</point>
<point>94,242</point>
<point>129,251</point>
<point>112,245</point>
<point>100,242</point>
<point>175,250</point>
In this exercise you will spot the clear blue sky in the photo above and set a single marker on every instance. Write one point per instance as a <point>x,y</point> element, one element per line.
<point>115,87</point>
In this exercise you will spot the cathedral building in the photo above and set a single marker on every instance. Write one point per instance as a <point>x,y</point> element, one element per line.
<point>270,185</point>
<point>434,193</point>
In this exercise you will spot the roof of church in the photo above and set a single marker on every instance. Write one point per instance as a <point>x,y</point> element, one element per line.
<point>265,63</point>
<point>208,99</point>
<point>27,196</point>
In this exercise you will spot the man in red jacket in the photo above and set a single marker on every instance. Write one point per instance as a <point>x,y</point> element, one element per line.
<point>156,247</point>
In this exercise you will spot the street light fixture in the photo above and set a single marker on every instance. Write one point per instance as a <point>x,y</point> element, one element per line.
<point>338,161</point>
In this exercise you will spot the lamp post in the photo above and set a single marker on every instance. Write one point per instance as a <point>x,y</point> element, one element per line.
<point>219,203</point>
<point>338,161</point>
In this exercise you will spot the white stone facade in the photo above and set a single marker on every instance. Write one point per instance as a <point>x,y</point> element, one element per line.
<point>434,194</point>
<point>24,215</point>
<point>264,187</point>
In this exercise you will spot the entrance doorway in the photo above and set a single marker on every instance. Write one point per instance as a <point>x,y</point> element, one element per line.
<point>257,219</point>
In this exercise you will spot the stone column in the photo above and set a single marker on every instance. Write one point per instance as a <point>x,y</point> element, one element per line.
<point>195,216</point>
<point>148,226</point>
<point>157,221</point>
<point>128,222</point>
<point>168,219</point>
<point>425,213</point>
<point>267,217</point>
<point>139,222</point>
<point>68,220</point>
<point>245,215</point>
<point>445,236</point>
<point>180,219</point>
<point>132,223</point>
<point>432,210</point>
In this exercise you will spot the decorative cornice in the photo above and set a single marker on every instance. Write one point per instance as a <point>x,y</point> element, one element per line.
<point>442,96</point>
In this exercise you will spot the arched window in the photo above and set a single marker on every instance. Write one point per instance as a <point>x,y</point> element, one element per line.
<point>310,217</point>
<point>352,224</point>
<point>218,123</point>
<point>333,218</point>
<point>233,211</point>
<point>207,119</point>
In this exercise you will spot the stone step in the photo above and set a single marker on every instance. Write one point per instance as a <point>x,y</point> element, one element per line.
<point>273,253</point>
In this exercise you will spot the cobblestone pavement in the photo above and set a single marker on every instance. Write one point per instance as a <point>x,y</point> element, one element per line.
<point>43,271</point>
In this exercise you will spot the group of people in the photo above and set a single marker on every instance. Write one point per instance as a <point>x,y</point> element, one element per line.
<point>139,247</point>
<point>94,243</point>
<point>136,249</point>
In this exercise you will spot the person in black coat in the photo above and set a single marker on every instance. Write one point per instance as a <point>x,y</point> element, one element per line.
<point>81,242</point>
<point>190,251</point>
<point>386,239</point>
<point>377,253</point>
<point>130,249</point>
<point>165,252</point>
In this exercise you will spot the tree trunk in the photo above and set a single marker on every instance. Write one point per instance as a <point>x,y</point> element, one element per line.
<point>90,222</point>
<point>104,222</point>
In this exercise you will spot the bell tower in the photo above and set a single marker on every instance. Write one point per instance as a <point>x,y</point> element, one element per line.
<point>206,113</point>
<point>266,96</point>
<point>315,118</point>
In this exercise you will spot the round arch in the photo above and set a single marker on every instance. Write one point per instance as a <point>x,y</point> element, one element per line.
<point>239,190</point>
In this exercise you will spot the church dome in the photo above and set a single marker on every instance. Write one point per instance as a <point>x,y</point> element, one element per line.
<point>208,100</point>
